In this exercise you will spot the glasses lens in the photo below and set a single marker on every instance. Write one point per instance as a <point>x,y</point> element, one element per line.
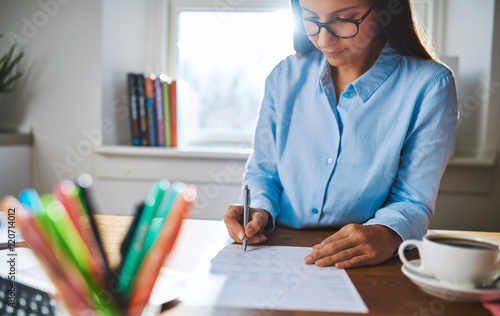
<point>344,29</point>
<point>310,28</point>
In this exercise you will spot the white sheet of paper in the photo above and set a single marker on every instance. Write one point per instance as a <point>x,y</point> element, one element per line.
<point>270,278</point>
<point>25,268</point>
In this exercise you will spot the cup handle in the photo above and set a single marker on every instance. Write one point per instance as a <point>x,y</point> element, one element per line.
<point>414,268</point>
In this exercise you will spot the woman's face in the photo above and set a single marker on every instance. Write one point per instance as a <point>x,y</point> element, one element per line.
<point>338,51</point>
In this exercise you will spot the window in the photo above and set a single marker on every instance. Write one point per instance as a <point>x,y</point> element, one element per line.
<point>222,58</point>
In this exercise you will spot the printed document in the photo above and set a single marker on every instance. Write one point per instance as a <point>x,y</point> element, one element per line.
<point>270,278</point>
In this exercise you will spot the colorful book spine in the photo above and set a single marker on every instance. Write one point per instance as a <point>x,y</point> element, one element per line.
<point>166,112</point>
<point>173,113</point>
<point>159,113</point>
<point>141,100</point>
<point>134,108</point>
<point>151,109</point>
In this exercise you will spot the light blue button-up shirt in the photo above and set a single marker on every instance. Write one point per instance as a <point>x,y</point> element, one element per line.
<point>375,157</point>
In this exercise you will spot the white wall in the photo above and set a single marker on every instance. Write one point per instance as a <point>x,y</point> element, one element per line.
<point>14,170</point>
<point>60,93</point>
<point>124,31</point>
<point>480,58</point>
<point>493,132</point>
<point>468,29</point>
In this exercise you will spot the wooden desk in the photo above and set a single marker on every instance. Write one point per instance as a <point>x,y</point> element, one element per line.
<point>384,288</point>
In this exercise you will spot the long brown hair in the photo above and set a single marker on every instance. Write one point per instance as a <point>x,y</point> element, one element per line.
<point>400,30</point>
<point>395,18</point>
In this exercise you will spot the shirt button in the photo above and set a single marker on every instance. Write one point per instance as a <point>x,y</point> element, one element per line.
<point>315,211</point>
<point>330,160</point>
<point>347,95</point>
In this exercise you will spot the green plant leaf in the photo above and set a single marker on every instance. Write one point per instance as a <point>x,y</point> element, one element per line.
<point>7,60</point>
<point>11,80</point>
<point>7,65</point>
<point>14,62</point>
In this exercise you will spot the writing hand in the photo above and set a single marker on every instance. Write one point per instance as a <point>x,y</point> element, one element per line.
<point>355,246</point>
<point>257,220</point>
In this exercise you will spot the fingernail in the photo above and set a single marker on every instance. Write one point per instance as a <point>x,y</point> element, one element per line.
<point>339,266</point>
<point>241,236</point>
<point>320,263</point>
<point>262,238</point>
<point>250,232</point>
<point>308,260</point>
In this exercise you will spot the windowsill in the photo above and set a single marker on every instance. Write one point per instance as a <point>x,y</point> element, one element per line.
<point>470,172</point>
<point>18,137</point>
<point>474,159</point>
<point>194,152</point>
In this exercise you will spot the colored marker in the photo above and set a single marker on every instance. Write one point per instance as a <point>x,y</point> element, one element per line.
<point>133,259</point>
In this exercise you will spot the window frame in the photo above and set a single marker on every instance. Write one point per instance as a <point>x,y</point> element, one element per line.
<point>174,7</point>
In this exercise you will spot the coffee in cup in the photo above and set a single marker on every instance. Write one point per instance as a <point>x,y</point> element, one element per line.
<point>458,260</point>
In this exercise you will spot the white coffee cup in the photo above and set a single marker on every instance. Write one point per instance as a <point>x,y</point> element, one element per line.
<point>460,261</point>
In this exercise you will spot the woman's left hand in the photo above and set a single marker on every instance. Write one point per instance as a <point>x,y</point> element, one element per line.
<point>354,246</point>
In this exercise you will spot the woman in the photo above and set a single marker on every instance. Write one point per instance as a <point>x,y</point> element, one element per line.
<point>354,133</point>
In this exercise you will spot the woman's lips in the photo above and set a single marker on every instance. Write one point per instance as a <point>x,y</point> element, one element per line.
<point>334,53</point>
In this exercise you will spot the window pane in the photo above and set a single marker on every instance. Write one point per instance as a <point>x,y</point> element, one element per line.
<point>223,61</point>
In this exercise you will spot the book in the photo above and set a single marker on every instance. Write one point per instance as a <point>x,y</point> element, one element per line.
<point>141,100</point>
<point>173,113</point>
<point>166,110</point>
<point>151,109</point>
<point>134,109</point>
<point>159,113</point>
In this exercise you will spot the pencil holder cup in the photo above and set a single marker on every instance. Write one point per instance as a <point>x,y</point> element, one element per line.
<point>64,234</point>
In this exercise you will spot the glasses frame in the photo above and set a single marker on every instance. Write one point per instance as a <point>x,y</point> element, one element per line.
<point>326,25</point>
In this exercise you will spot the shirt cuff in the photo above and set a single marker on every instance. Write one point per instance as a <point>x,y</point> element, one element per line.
<point>271,221</point>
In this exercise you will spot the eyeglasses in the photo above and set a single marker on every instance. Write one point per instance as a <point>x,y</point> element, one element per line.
<point>343,28</point>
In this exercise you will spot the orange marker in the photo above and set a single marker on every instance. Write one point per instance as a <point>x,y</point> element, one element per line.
<point>150,268</point>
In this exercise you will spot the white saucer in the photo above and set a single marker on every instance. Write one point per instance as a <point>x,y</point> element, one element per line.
<point>447,292</point>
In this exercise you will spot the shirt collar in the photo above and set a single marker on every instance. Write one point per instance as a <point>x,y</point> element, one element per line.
<point>323,73</point>
<point>371,80</point>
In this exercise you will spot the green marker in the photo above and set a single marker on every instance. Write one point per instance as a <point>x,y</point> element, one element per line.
<point>68,233</point>
<point>161,215</point>
<point>134,259</point>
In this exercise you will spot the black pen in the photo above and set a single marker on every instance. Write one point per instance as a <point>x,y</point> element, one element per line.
<point>84,183</point>
<point>246,211</point>
<point>127,240</point>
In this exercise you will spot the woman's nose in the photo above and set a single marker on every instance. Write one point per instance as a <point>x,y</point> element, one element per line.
<point>325,39</point>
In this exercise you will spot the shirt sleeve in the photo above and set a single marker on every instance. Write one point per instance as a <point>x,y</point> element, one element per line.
<point>424,156</point>
<point>261,174</point>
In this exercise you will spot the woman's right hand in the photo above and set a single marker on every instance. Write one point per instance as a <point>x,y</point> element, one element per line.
<point>256,222</point>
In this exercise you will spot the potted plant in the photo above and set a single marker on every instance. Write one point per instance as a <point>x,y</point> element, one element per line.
<point>7,63</point>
